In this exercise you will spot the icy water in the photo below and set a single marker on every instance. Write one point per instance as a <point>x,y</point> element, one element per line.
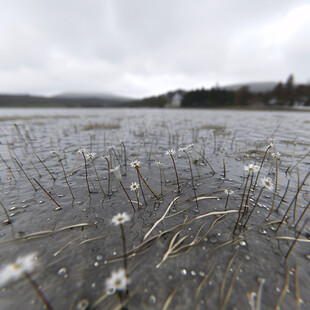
<point>205,234</point>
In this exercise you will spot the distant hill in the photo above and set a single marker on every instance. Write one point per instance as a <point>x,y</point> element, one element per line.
<point>64,100</point>
<point>254,87</point>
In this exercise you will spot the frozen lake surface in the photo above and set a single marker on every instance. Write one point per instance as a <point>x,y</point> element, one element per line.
<point>207,250</point>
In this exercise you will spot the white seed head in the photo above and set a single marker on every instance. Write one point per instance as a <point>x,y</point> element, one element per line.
<point>14,271</point>
<point>80,151</point>
<point>275,155</point>
<point>117,282</point>
<point>251,168</point>
<point>135,164</point>
<point>91,155</point>
<point>120,218</point>
<point>134,186</point>
<point>228,191</point>
<point>170,152</point>
<point>267,182</point>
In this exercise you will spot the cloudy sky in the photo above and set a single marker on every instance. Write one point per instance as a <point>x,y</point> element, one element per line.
<point>138,48</point>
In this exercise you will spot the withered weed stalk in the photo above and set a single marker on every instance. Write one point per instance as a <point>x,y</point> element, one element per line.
<point>203,157</point>
<point>135,164</point>
<point>192,176</point>
<point>8,220</point>
<point>49,172</point>
<point>117,173</point>
<point>109,175</point>
<point>8,167</point>
<point>25,174</point>
<point>86,173</point>
<point>49,195</point>
<point>64,172</point>
<point>91,156</point>
<point>171,153</point>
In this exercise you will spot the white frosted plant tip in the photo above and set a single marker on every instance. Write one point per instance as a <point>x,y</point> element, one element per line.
<point>120,218</point>
<point>117,173</point>
<point>134,186</point>
<point>251,168</point>
<point>170,152</point>
<point>117,282</point>
<point>267,182</point>
<point>80,151</point>
<point>228,191</point>
<point>91,155</point>
<point>135,164</point>
<point>275,155</point>
<point>14,271</point>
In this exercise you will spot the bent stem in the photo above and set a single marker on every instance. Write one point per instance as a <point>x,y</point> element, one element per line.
<point>139,173</point>
<point>207,162</point>
<point>176,173</point>
<point>260,193</point>
<point>127,195</point>
<point>109,178</point>
<point>103,192</point>
<point>86,173</point>
<point>6,213</point>
<point>38,291</point>
<point>261,165</point>
<point>192,177</point>
<point>58,206</point>
<point>46,168</point>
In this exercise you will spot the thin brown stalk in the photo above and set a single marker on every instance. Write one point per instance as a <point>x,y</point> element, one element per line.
<point>25,174</point>
<point>225,277</point>
<point>275,189</point>
<point>9,169</point>
<point>127,195</point>
<point>38,291</point>
<point>207,162</point>
<point>176,173</point>
<point>192,177</point>
<point>64,172</point>
<point>299,301</point>
<point>169,299</point>
<point>241,204</point>
<point>98,178</point>
<point>46,168</point>
<point>284,290</point>
<point>6,213</point>
<point>261,165</point>
<point>294,242</point>
<point>140,185</point>
<point>77,158</point>
<point>260,193</point>
<point>10,154</point>
<point>139,173</point>
<point>230,287</point>
<point>58,206</point>
<point>109,177</point>
<point>86,173</point>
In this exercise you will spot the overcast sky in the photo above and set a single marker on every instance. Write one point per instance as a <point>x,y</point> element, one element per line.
<point>138,48</point>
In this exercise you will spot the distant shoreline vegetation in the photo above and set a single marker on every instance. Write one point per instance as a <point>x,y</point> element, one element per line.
<point>273,96</point>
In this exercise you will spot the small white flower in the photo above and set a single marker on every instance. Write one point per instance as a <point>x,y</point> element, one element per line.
<point>117,282</point>
<point>80,151</point>
<point>251,168</point>
<point>135,164</point>
<point>117,173</point>
<point>120,218</point>
<point>191,145</point>
<point>158,163</point>
<point>91,155</point>
<point>14,271</point>
<point>275,155</point>
<point>267,182</point>
<point>228,191</point>
<point>182,149</point>
<point>170,152</point>
<point>134,186</point>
